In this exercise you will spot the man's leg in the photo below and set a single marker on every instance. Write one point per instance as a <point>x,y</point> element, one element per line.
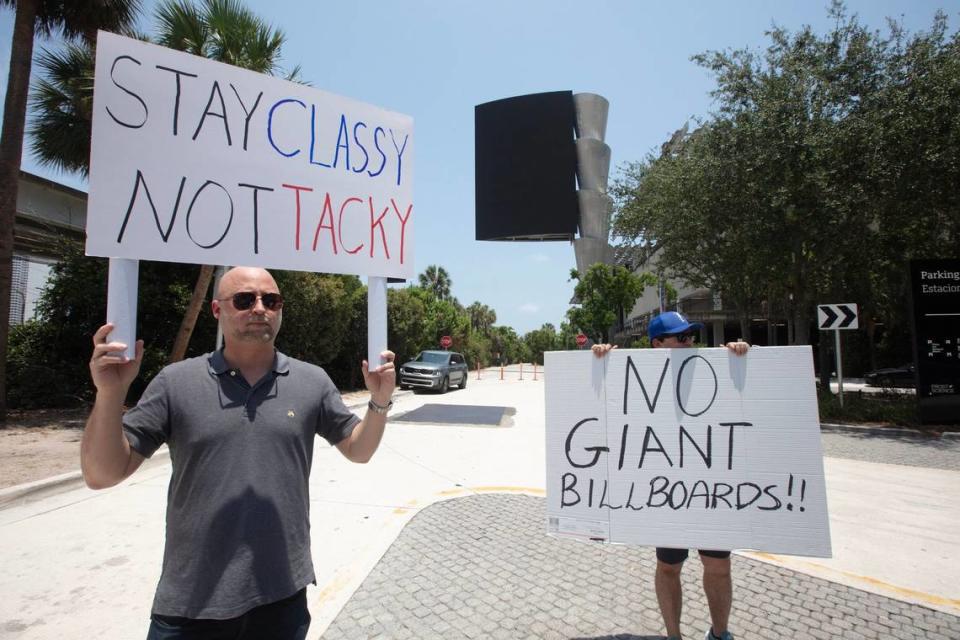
<point>718,586</point>
<point>287,619</point>
<point>668,587</point>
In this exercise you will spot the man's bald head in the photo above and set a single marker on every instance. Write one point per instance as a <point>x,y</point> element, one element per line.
<point>256,324</point>
<point>233,279</point>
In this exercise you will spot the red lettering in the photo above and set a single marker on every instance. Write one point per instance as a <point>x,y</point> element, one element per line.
<point>327,206</point>
<point>403,225</point>
<point>378,223</point>
<point>297,189</point>
<point>340,226</point>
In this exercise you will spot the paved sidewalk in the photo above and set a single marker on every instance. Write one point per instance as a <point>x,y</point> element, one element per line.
<point>482,567</point>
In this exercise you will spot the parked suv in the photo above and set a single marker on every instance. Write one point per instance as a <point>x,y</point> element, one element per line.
<point>434,370</point>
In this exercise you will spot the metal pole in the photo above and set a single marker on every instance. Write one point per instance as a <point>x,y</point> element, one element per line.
<point>217,275</point>
<point>376,320</point>
<point>122,283</point>
<point>836,333</point>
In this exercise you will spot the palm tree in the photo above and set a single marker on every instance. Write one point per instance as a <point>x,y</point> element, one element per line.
<point>437,281</point>
<point>62,105</point>
<point>482,317</point>
<point>71,19</point>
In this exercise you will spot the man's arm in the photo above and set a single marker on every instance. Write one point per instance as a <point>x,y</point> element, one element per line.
<point>106,458</point>
<point>365,438</point>
<point>739,348</point>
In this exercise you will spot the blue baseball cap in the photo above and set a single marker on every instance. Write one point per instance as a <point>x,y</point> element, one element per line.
<point>670,322</point>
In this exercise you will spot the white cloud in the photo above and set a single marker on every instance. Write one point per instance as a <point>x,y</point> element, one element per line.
<point>529,308</point>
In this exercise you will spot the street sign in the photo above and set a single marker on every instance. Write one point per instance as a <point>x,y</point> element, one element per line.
<point>445,342</point>
<point>837,316</point>
<point>581,339</point>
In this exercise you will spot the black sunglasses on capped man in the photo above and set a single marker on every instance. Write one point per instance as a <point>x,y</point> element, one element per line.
<point>244,300</point>
<point>681,337</point>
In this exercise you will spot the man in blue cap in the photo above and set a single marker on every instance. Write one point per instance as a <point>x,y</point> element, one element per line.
<point>671,330</point>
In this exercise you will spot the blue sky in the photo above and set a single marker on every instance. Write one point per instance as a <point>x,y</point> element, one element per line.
<point>435,60</point>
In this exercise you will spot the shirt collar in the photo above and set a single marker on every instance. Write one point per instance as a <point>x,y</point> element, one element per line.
<point>218,366</point>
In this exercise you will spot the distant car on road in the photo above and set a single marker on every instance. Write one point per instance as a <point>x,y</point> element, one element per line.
<point>434,370</point>
<point>902,376</point>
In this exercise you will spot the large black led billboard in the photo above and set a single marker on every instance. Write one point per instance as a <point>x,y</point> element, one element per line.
<point>935,288</point>
<point>526,166</point>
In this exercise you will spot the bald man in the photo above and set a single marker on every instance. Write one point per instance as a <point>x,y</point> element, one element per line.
<point>240,425</point>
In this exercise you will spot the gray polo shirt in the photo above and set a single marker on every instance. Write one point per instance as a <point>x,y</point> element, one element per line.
<point>238,526</point>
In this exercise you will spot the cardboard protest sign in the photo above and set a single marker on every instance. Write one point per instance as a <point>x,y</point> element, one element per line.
<point>689,448</point>
<point>201,162</point>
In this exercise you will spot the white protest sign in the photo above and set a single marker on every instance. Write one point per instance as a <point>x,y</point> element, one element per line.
<point>200,162</point>
<point>688,448</point>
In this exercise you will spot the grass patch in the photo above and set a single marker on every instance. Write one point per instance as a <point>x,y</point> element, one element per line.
<point>884,408</point>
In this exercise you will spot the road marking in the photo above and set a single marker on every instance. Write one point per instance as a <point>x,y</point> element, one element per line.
<point>885,588</point>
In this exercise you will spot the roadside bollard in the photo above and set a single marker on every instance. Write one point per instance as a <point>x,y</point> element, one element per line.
<point>478,370</point>
<point>534,371</point>
<point>501,372</point>
<point>521,371</point>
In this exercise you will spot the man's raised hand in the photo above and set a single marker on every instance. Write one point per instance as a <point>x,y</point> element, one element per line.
<point>110,370</point>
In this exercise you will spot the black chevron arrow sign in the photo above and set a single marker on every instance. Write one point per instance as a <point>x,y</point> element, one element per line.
<point>837,316</point>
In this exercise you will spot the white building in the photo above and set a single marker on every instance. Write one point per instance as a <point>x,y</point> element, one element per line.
<point>46,212</point>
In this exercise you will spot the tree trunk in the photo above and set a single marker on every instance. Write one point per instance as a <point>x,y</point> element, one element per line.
<point>11,148</point>
<point>745,328</point>
<point>801,329</point>
<point>192,313</point>
<point>871,342</point>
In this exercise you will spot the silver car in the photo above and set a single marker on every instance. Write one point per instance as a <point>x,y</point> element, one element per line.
<point>434,370</point>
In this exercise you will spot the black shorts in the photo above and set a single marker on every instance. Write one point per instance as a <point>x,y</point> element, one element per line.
<point>667,555</point>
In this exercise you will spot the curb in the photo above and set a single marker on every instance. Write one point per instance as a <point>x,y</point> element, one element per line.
<point>30,491</point>
<point>900,431</point>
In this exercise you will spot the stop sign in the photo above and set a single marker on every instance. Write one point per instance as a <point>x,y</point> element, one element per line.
<point>445,342</point>
<point>581,339</point>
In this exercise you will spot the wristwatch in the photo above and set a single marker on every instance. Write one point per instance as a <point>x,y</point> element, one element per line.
<point>379,409</point>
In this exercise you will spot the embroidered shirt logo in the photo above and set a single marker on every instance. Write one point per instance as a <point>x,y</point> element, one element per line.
<point>290,414</point>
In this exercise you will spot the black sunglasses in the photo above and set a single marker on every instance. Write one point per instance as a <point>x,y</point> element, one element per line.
<point>244,300</point>
<point>681,337</point>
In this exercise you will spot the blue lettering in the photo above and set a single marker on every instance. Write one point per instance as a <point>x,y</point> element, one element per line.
<point>356,139</point>
<point>400,151</point>
<point>343,142</point>
<point>270,126</point>
<point>313,136</point>
<point>376,143</point>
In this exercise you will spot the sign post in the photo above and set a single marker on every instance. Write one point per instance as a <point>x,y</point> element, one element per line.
<point>836,317</point>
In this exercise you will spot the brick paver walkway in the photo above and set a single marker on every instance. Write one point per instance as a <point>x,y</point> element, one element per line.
<point>482,567</point>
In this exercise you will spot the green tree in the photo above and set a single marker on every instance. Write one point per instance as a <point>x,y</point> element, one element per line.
<point>482,317</point>
<point>827,165</point>
<point>436,280</point>
<point>506,346</point>
<point>55,348</point>
<point>604,293</point>
<point>71,19</point>
<point>539,341</point>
